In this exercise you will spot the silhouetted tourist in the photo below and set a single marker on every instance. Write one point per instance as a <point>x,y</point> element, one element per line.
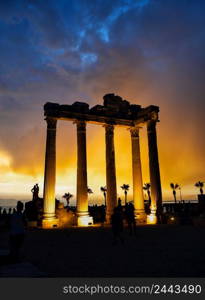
<point>4,212</point>
<point>130,218</point>
<point>17,232</point>
<point>35,191</point>
<point>119,204</point>
<point>117,226</point>
<point>102,213</point>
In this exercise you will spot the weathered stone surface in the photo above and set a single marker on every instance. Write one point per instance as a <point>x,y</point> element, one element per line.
<point>114,111</point>
<point>51,106</point>
<point>80,107</point>
<point>98,110</point>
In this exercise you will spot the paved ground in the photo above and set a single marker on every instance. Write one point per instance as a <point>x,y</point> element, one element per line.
<point>156,251</point>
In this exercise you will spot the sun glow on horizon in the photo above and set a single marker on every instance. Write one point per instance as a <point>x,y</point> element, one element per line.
<point>18,185</point>
<point>5,160</point>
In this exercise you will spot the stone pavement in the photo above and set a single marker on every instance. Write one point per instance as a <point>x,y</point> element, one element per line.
<point>21,269</point>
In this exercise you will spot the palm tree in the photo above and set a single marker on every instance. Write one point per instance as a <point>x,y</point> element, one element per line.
<point>67,196</point>
<point>125,188</point>
<point>147,187</point>
<point>104,191</point>
<point>174,188</point>
<point>200,185</point>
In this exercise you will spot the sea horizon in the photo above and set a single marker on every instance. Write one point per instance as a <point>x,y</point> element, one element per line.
<point>11,203</point>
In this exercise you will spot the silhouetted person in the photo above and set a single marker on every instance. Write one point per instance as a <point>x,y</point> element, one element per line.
<point>119,204</point>
<point>17,231</point>
<point>4,212</point>
<point>35,191</point>
<point>117,225</point>
<point>130,217</point>
<point>102,213</point>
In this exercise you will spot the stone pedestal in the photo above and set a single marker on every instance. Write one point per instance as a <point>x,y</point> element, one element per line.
<point>49,218</point>
<point>138,197</point>
<point>110,171</point>
<point>156,192</point>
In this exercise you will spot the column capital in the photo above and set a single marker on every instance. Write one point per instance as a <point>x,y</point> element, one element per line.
<point>154,118</point>
<point>81,125</point>
<point>51,123</point>
<point>134,131</point>
<point>109,128</point>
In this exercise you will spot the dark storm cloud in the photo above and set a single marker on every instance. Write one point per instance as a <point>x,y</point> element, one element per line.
<point>149,51</point>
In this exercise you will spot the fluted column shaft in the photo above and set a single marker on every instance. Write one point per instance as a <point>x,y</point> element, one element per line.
<point>137,176</point>
<point>110,171</point>
<point>50,171</point>
<point>82,195</point>
<point>156,192</point>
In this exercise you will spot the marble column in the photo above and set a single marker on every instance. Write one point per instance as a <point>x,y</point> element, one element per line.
<point>49,218</point>
<point>82,193</point>
<point>138,197</point>
<point>156,192</point>
<point>110,171</point>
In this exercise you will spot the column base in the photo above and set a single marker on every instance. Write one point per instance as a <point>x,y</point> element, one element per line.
<point>140,216</point>
<point>51,223</point>
<point>83,219</point>
<point>152,219</point>
<point>108,218</point>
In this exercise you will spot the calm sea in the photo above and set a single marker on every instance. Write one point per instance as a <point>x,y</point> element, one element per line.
<point>10,203</point>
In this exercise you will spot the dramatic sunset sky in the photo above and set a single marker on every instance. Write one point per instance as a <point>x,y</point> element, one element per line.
<point>146,51</point>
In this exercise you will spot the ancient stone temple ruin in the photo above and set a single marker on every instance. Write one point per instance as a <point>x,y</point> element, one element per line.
<point>114,112</point>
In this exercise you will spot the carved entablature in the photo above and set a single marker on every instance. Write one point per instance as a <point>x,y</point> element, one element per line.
<point>114,111</point>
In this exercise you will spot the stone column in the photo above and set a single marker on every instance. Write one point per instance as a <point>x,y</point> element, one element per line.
<point>49,219</point>
<point>137,177</point>
<point>82,186</point>
<point>156,192</point>
<point>110,171</point>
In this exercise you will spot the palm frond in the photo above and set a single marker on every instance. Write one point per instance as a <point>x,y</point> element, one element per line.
<point>172,185</point>
<point>103,189</point>
<point>199,184</point>
<point>147,186</point>
<point>67,196</point>
<point>125,187</point>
